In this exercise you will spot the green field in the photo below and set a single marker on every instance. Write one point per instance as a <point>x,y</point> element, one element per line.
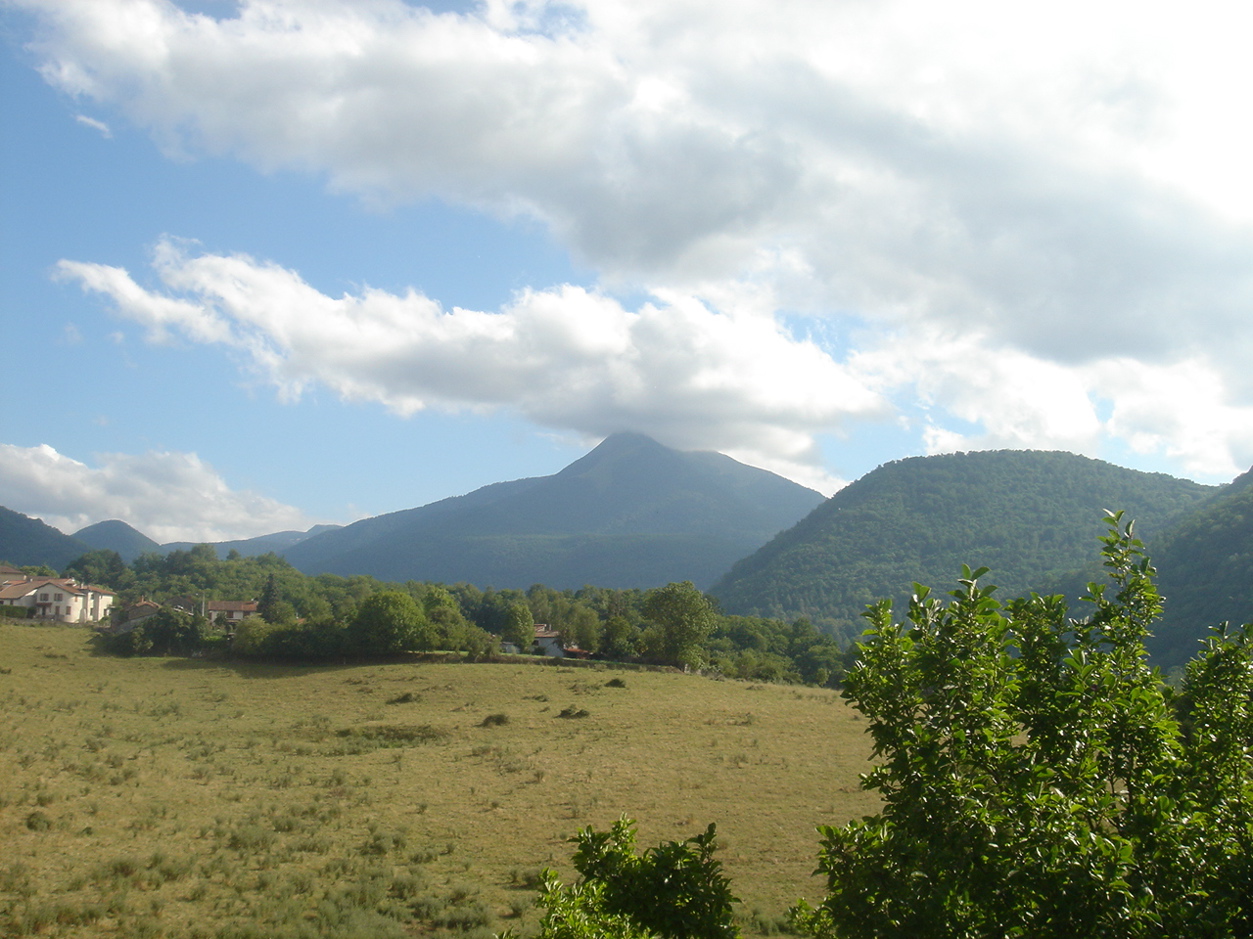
<point>187,797</point>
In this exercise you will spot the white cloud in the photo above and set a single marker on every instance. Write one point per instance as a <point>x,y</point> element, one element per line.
<point>167,496</point>
<point>94,124</point>
<point>566,357</point>
<point>1061,186</point>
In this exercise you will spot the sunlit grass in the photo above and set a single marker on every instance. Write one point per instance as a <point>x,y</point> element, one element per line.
<point>192,798</point>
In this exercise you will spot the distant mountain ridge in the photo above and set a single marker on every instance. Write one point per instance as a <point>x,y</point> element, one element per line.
<point>273,543</point>
<point>26,541</point>
<point>116,535</point>
<point>1028,515</point>
<point>631,513</point>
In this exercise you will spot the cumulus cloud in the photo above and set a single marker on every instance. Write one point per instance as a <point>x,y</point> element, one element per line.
<point>1060,186</point>
<point>565,357</point>
<point>167,496</point>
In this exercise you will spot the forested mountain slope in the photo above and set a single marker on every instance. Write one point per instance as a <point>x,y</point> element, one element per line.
<point>115,535</point>
<point>632,513</point>
<point>1030,516</point>
<point>29,541</point>
<point>1205,571</point>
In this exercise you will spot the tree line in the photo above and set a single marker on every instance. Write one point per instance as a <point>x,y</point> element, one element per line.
<point>330,616</point>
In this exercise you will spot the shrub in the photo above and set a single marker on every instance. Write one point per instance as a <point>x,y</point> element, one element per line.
<point>38,821</point>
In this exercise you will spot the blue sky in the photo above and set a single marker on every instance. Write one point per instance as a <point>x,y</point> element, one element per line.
<point>274,263</point>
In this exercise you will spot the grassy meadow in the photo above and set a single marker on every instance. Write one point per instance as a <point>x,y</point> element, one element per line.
<point>188,797</point>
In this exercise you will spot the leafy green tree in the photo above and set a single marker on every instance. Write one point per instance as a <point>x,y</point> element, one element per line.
<point>1035,781</point>
<point>684,618</point>
<point>387,623</point>
<point>102,566</point>
<point>268,605</point>
<point>519,626</point>
<point>251,636</point>
<point>621,640</point>
<point>674,891</point>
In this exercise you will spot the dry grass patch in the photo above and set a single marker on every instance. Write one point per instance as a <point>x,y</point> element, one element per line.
<point>195,798</point>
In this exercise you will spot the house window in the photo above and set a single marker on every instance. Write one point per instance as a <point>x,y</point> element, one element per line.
<point>59,596</point>
<point>43,596</point>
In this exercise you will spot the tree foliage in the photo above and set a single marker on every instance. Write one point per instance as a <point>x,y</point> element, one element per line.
<point>675,890</point>
<point>683,618</point>
<point>387,623</point>
<point>1035,779</point>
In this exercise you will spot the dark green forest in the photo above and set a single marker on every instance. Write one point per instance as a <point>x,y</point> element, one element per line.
<point>1032,517</point>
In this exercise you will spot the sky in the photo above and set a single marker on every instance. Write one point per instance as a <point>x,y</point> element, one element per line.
<point>273,263</point>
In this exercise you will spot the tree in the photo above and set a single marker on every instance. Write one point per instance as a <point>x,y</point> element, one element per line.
<point>102,566</point>
<point>519,626</point>
<point>674,891</point>
<point>268,606</point>
<point>621,639</point>
<point>1035,781</point>
<point>386,623</point>
<point>684,618</point>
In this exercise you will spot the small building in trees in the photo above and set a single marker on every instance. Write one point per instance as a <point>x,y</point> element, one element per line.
<point>230,613</point>
<point>135,614</point>
<point>547,641</point>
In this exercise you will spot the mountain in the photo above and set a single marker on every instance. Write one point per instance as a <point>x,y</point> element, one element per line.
<point>274,543</point>
<point>27,541</point>
<point>115,535</point>
<point>1205,571</point>
<point>631,513</point>
<point>1030,516</point>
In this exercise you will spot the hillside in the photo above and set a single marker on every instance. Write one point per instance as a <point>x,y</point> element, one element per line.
<point>25,540</point>
<point>1205,571</point>
<point>115,535</point>
<point>1030,516</point>
<point>631,513</point>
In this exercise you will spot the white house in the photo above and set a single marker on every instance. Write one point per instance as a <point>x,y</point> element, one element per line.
<point>548,641</point>
<point>61,599</point>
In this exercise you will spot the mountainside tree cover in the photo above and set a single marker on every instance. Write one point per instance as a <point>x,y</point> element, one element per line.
<point>28,541</point>
<point>1035,779</point>
<point>116,535</point>
<point>1206,562</point>
<point>1028,516</point>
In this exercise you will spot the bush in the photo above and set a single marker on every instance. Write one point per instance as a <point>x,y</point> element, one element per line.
<point>673,891</point>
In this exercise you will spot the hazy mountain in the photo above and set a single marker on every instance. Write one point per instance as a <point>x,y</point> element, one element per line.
<point>115,535</point>
<point>1030,516</point>
<point>277,542</point>
<point>632,513</point>
<point>25,541</point>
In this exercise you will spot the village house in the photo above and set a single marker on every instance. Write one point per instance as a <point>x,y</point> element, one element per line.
<point>547,642</point>
<point>60,599</point>
<point>229,613</point>
<point>135,614</point>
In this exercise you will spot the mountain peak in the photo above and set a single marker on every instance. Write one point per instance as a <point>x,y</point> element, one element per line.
<point>631,513</point>
<point>116,535</point>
